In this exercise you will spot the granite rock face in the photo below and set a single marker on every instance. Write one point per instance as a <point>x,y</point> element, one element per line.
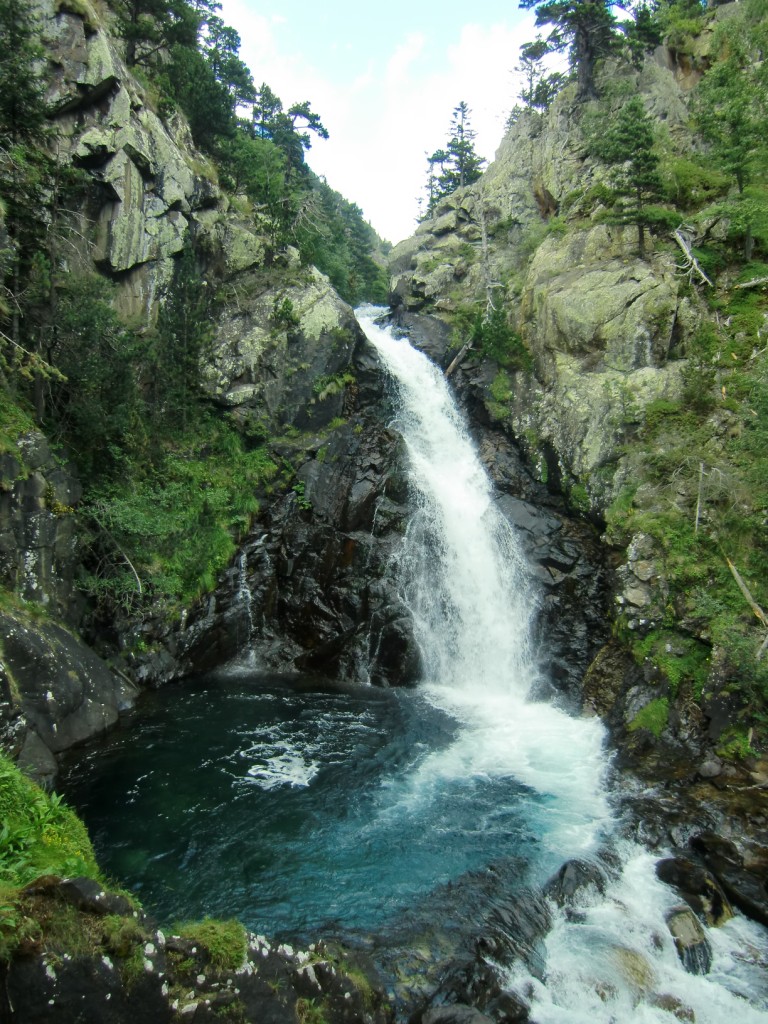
<point>603,327</point>
<point>38,547</point>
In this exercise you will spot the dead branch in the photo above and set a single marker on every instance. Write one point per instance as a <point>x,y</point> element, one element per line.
<point>692,264</point>
<point>753,283</point>
<point>757,610</point>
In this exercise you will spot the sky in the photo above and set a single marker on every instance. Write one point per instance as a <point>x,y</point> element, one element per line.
<point>385,79</point>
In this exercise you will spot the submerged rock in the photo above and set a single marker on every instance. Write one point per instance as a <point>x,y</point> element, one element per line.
<point>691,942</point>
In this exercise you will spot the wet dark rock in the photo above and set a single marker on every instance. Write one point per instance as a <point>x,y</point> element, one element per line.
<point>698,887</point>
<point>81,989</point>
<point>744,887</point>
<point>456,1014</point>
<point>509,1008</point>
<point>429,334</point>
<point>89,896</point>
<point>38,543</point>
<point>66,692</point>
<point>573,880</point>
<point>691,942</point>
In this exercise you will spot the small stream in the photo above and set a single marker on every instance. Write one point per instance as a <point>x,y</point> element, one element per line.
<point>301,806</point>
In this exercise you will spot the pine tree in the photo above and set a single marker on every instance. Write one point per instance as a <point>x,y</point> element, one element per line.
<point>731,111</point>
<point>586,28</point>
<point>459,163</point>
<point>628,145</point>
<point>539,89</point>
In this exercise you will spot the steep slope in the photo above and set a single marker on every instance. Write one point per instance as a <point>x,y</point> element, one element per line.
<point>632,381</point>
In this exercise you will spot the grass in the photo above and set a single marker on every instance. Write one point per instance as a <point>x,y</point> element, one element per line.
<point>39,836</point>
<point>225,942</point>
<point>700,490</point>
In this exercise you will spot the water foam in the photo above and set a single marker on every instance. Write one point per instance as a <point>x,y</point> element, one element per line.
<point>467,583</point>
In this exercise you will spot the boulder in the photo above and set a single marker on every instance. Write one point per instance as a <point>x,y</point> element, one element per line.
<point>66,692</point>
<point>575,879</point>
<point>691,942</point>
<point>698,887</point>
<point>745,888</point>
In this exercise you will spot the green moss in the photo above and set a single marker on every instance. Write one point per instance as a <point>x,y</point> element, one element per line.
<point>653,717</point>
<point>578,498</point>
<point>225,942</point>
<point>501,390</point>
<point>308,1011</point>
<point>680,658</point>
<point>15,421</point>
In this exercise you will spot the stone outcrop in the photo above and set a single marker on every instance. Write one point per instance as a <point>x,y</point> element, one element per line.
<point>604,328</point>
<point>127,969</point>
<point>38,498</point>
<point>55,691</point>
<point>148,183</point>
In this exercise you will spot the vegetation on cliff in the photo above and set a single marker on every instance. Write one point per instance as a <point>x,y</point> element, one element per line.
<point>632,363</point>
<point>171,482</point>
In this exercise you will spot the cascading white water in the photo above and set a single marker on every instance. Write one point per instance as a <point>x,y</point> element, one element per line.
<point>466,583</point>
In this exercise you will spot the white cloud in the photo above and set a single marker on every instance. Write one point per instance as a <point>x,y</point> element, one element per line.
<point>399,64</point>
<point>384,121</point>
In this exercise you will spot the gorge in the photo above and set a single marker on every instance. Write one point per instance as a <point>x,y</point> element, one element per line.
<point>418,651</point>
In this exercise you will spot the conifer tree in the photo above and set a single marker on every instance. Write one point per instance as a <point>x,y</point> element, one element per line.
<point>539,89</point>
<point>586,28</point>
<point>731,111</point>
<point>628,145</point>
<point>459,163</point>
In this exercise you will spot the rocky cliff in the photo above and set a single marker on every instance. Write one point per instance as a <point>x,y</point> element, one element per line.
<point>600,341</point>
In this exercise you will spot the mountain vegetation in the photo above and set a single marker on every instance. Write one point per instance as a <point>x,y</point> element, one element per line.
<point>455,166</point>
<point>699,460</point>
<point>126,398</point>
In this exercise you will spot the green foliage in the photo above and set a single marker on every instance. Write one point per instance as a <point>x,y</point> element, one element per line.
<point>310,1012</point>
<point>702,469</point>
<point>681,22</point>
<point>626,143</point>
<point>653,717</point>
<point>459,163</point>
<point>225,942</point>
<point>174,522</point>
<point>283,314</point>
<point>39,836</point>
<point>334,236</point>
<point>587,29</point>
<point>326,386</point>
<point>690,183</point>
<point>731,114</point>
<point>492,336</point>
<point>539,89</point>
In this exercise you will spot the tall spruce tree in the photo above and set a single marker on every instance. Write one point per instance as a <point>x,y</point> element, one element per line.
<point>586,28</point>
<point>459,163</point>
<point>627,143</point>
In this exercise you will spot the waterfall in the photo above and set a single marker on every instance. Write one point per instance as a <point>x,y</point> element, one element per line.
<point>467,584</point>
<point>465,580</point>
